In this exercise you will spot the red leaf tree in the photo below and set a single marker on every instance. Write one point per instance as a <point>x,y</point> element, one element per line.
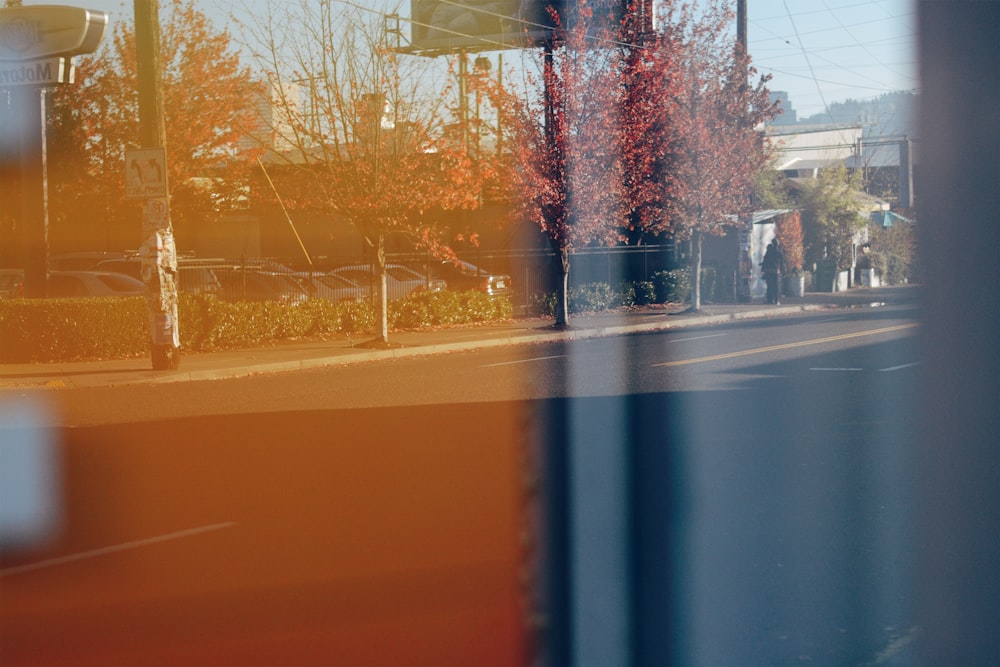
<point>716,147</point>
<point>564,172</point>
<point>648,89</point>
<point>636,132</point>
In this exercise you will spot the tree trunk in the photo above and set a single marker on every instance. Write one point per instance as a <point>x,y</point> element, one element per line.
<point>562,288</point>
<point>382,297</point>
<point>696,271</point>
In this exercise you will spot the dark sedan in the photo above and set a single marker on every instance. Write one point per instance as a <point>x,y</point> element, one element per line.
<point>465,276</point>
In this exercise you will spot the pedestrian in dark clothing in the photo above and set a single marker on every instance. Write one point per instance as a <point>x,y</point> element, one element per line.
<point>771,268</point>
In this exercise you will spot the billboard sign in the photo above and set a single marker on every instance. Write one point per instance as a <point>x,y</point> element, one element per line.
<point>38,32</point>
<point>490,25</point>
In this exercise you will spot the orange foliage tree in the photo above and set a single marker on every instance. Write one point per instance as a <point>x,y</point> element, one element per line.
<point>788,229</point>
<point>361,132</point>
<point>207,95</point>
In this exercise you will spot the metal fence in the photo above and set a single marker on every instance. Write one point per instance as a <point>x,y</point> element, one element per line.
<point>534,272</point>
<point>528,273</point>
<point>524,273</point>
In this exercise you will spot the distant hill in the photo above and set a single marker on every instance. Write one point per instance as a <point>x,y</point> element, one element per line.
<point>888,115</point>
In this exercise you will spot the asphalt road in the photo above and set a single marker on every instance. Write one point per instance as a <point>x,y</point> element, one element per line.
<point>376,514</point>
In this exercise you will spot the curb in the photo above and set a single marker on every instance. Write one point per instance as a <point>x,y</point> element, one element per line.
<point>359,357</point>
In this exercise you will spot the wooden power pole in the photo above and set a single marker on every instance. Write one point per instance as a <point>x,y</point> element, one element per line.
<point>158,252</point>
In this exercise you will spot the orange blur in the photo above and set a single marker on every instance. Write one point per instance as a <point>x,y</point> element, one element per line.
<point>361,537</point>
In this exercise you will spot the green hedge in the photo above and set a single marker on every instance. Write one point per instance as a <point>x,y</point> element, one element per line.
<point>50,330</point>
<point>664,287</point>
<point>64,329</point>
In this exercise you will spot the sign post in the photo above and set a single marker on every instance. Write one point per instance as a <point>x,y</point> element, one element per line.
<point>37,45</point>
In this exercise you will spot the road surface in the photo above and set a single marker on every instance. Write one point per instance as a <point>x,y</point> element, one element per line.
<point>386,513</point>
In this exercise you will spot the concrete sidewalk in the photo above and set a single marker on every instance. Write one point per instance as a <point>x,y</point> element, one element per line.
<point>301,355</point>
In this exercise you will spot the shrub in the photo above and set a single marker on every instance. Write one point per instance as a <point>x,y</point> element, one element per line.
<point>411,313</point>
<point>429,309</point>
<point>645,292</point>
<point>641,293</point>
<point>708,283</point>
<point>46,330</point>
<point>592,297</point>
<point>672,286</point>
<point>481,307</point>
<point>543,303</point>
<point>355,317</point>
<point>893,252</point>
<point>69,329</point>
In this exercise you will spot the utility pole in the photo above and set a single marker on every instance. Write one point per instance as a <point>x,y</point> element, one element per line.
<point>905,173</point>
<point>28,104</point>
<point>741,24</point>
<point>158,251</point>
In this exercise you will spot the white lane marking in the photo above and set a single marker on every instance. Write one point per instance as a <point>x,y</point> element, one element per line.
<point>684,340</point>
<point>104,551</point>
<point>836,369</point>
<point>784,346</point>
<point>898,368</point>
<point>895,647</point>
<point>523,361</point>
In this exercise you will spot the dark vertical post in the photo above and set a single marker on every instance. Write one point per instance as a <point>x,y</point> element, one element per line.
<point>905,173</point>
<point>29,111</point>
<point>147,32</point>
<point>463,97</point>
<point>741,24</point>
<point>958,510</point>
<point>499,109</point>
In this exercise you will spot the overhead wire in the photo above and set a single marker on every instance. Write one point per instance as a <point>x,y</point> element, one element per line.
<point>805,54</point>
<point>861,44</point>
<point>815,53</point>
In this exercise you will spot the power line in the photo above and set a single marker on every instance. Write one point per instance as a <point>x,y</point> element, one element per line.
<point>786,72</point>
<point>806,55</point>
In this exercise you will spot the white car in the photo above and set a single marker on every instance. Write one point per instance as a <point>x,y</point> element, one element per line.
<point>93,283</point>
<point>193,277</point>
<point>74,284</point>
<point>400,280</point>
<point>333,287</point>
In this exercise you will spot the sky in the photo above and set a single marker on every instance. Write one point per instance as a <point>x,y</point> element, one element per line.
<point>818,51</point>
<point>826,51</point>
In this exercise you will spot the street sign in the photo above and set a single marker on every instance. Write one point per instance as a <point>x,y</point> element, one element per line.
<point>47,72</point>
<point>145,173</point>
<point>157,210</point>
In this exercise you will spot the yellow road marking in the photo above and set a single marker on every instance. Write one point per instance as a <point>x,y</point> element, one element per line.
<point>785,346</point>
<point>32,384</point>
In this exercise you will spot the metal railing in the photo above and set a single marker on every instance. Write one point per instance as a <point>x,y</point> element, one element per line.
<point>526,273</point>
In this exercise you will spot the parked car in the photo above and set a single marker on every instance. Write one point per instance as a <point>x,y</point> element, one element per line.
<point>332,287</point>
<point>11,283</point>
<point>193,277</point>
<point>83,261</point>
<point>242,284</point>
<point>465,276</point>
<point>400,280</point>
<point>93,283</point>
<point>74,284</point>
